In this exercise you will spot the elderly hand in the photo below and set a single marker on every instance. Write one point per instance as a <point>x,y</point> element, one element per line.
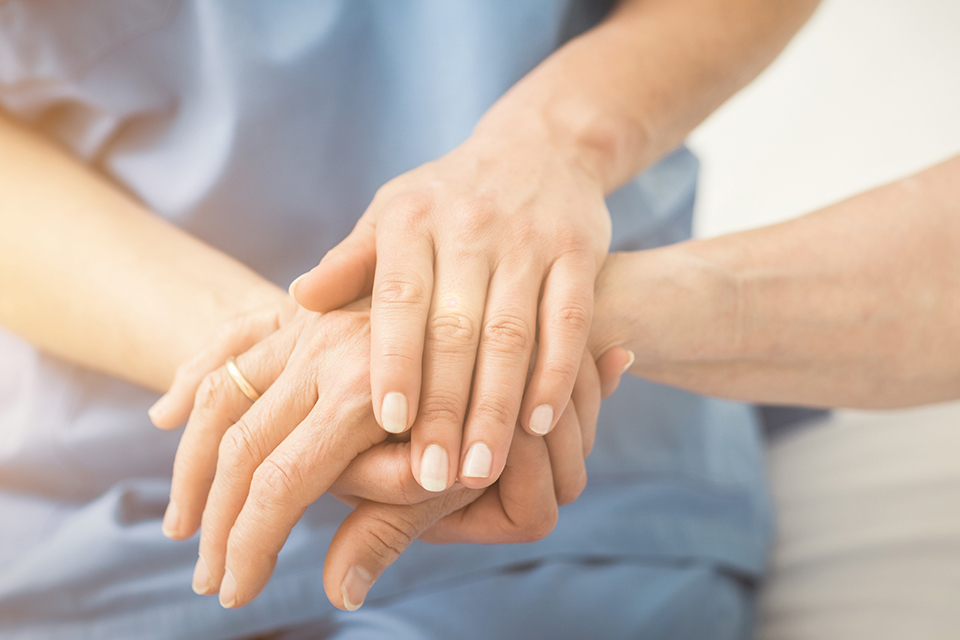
<point>251,473</point>
<point>520,507</point>
<point>471,260</point>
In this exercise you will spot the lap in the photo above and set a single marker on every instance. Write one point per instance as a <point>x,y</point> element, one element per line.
<point>556,599</point>
<point>868,528</point>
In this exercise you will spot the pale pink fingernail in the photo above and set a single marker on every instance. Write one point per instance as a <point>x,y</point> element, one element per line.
<point>228,591</point>
<point>434,468</point>
<point>201,578</point>
<point>541,419</point>
<point>171,520</point>
<point>355,587</point>
<point>393,412</point>
<point>292,289</point>
<point>631,358</point>
<point>478,461</point>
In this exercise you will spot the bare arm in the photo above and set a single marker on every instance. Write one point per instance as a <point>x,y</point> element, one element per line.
<point>856,305</point>
<point>88,275</point>
<point>625,93</point>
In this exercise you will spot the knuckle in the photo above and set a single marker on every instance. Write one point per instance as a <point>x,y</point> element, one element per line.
<point>475,215</point>
<point>452,328</point>
<point>569,238</point>
<point>403,292</point>
<point>496,410</point>
<point>275,478</point>
<point>386,539</point>
<point>443,408</point>
<point>563,374</point>
<point>574,316</point>
<point>412,207</point>
<point>238,449</point>
<point>523,232</point>
<point>508,332</point>
<point>212,390</point>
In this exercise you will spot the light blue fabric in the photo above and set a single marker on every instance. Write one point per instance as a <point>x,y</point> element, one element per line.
<point>264,128</point>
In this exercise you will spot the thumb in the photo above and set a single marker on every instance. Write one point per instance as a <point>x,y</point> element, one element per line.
<point>373,536</point>
<point>345,274</point>
<point>611,366</point>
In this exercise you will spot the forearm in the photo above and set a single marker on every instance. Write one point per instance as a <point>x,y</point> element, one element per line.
<point>88,275</point>
<point>855,305</point>
<point>617,98</point>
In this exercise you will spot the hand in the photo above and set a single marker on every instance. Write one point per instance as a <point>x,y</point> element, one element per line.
<point>471,260</point>
<point>249,469</point>
<point>220,403</point>
<point>519,507</point>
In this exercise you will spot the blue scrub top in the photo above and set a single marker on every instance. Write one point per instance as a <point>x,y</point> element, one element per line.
<point>264,128</point>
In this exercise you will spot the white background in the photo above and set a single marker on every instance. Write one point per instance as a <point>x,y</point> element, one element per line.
<point>868,91</point>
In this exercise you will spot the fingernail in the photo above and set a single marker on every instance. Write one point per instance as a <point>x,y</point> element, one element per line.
<point>159,408</point>
<point>228,591</point>
<point>541,419</point>
<point>292,289</point>
<point>201,578</point>
<point>393,412</point>
<point>171,520</point>
<point>355,587</point>
<point>434,468</point>
<point>478,461</point>
<point>631,357</point>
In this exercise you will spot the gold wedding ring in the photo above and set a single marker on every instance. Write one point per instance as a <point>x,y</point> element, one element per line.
<point>245,387</point>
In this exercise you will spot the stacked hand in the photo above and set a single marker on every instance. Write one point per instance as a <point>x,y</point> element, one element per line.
<point>456,403</point>
<point>247,470</point>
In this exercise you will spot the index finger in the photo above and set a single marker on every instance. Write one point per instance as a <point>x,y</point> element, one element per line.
<point>288,480</point>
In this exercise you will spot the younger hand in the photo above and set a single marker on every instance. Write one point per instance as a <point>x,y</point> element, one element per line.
<point>471,259</point>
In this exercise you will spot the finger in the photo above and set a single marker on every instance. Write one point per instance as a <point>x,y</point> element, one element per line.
<point>344,274</point>
<point>521,507</point>
<point>503,361</point>
<point>242,449</point>
<point>565,312</point>
<point>565,448</point>
<point>289,479</point>
<point>383,474</point>
<point>449,357</point>
<point>219,404</point>
<point>586,397</point>
<point>372,537</point>
<point>612,365</point>
<point>173,408</point>
<point>398,314</point>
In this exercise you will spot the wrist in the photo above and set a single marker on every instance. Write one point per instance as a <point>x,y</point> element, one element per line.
<point>562,128</point>
<point>669,306</point>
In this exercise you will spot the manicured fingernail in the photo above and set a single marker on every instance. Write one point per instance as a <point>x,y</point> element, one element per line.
<point>355,587</point>
<point>292,289</point>
<point>228,591</point>
<point>434,468</point>
<point>541,419</point>
<point>159,408</point>
<point>393,412</point>
<point>478,461</point>
<point>171,520</point>
<point>201,578</point>
<point>631,358</point>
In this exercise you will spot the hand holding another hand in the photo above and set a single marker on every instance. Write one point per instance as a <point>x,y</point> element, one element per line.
<point>471,260</point>
<point>249,470</point>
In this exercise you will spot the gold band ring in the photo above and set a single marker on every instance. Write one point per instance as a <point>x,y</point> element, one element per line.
<point>245,387</point>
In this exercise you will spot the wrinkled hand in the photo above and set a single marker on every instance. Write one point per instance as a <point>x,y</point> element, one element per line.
<point>471,260</point>
<point>252,470</point>
<point>520,507</point>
